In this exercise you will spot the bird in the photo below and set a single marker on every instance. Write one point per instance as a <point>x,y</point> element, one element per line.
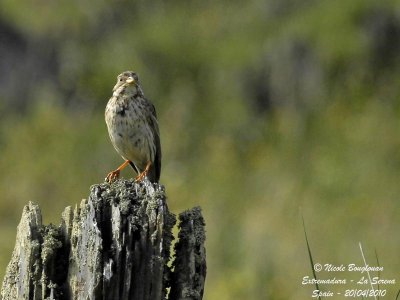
<point>133,129</point>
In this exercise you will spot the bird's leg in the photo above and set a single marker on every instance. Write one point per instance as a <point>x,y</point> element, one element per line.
<point>142,175</point>
<point>114,175</point>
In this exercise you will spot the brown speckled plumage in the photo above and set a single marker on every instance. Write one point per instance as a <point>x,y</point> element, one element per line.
<point>133,128</point>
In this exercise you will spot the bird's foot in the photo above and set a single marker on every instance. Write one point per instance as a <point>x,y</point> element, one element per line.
<point>142,175</point>
<point>112,176</point>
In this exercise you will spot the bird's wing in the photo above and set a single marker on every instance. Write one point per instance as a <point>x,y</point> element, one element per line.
<point>152,119</point>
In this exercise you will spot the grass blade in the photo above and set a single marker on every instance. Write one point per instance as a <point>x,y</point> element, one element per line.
<point>379,272</point>
<point>365,264</point>
<point>310,256</point>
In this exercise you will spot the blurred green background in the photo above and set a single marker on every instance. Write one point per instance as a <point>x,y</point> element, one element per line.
<point>267,109</point>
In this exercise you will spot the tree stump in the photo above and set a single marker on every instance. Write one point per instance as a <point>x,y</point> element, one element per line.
<point>115,245</point>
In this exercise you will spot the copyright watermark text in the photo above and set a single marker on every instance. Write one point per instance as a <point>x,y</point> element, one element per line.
<point>348,280</point>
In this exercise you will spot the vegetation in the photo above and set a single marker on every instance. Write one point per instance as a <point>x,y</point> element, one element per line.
<point>265,108</point>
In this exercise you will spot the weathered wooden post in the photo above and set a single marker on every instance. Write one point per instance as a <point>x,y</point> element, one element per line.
<point>115,245</point>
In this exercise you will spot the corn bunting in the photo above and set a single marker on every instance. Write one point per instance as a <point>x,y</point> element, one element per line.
<point>133,128</point>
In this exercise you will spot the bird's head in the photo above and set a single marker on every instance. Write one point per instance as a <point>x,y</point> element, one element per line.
<point>128,80</point>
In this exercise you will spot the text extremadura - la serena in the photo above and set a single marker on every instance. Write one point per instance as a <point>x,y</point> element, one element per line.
<point>374,280</point>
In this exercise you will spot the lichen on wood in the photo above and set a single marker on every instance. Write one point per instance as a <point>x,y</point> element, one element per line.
<point>114,245</point>
<point>190,264</point>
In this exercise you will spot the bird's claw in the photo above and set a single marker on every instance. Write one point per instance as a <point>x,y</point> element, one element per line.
<point>112,176</point>
<point>141,176</point>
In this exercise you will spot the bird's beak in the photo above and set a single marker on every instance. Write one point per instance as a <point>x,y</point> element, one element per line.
<point>130,80</point>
